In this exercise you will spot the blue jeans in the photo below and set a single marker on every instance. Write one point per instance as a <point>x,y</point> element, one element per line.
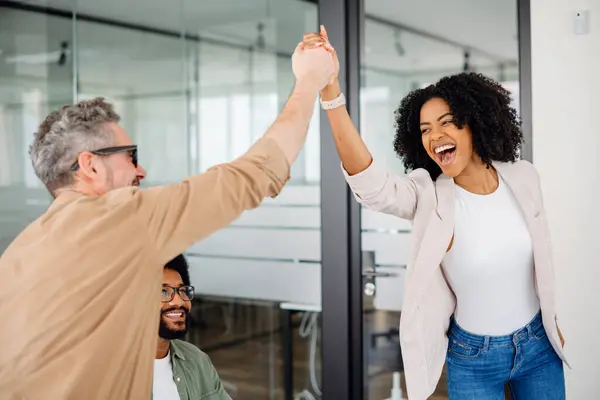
<point>478,367</point>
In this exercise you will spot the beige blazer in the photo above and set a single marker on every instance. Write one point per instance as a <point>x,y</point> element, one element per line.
<point>428,301</point>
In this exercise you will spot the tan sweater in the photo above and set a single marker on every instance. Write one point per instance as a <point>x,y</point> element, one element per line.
<point>80,286</point>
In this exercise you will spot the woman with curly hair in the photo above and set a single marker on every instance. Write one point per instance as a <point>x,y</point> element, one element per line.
<point>479,290</point>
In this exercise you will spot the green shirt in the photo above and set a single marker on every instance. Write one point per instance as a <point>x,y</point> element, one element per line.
<point>194,374</point>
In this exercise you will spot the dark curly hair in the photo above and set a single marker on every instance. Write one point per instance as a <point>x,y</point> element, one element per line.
<point>476,101</point>
<point>180,265</point>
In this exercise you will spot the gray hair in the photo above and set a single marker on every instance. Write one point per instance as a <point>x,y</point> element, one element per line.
<point>66,133</point>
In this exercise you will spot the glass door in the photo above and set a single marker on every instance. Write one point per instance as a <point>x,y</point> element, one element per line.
<point>405,46</point>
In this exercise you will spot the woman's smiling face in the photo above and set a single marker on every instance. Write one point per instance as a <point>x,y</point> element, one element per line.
<point>448,145</point>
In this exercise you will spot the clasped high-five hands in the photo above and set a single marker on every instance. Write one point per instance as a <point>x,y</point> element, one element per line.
<point>315,61</point>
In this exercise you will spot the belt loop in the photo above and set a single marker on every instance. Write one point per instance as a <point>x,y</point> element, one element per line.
<point>486,343</point>
<point>529,331</point>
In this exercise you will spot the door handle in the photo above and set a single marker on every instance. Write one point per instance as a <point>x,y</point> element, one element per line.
<point>372,273</point>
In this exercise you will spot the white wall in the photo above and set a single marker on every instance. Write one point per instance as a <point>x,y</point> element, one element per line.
<point>566,143</point>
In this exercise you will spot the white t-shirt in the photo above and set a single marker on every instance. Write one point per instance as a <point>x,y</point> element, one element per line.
<point>163,385</point>
<point>490,265</point>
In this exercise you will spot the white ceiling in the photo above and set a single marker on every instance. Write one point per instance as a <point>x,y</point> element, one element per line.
<point>125,57</point>
<point>490,25</point>
<point>484,24</point>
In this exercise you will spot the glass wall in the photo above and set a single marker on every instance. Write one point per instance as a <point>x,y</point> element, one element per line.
<point>196,83</point>
<point>409,45</point>
<point>35,78</point>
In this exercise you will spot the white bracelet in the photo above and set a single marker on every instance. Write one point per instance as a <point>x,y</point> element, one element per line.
<point>335,103</point>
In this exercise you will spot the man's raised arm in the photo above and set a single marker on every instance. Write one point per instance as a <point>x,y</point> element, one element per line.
<point>176,216</point>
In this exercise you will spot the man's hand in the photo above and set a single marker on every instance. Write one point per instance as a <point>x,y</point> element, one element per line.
<point>313,65</point>
<point>321,40</point>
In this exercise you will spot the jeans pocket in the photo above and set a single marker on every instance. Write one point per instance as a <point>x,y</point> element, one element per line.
<point>456,348</point>
<point>540,333</point>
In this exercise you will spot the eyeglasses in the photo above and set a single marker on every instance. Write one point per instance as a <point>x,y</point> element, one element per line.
<point>168,293</point>
<point>132,149</point>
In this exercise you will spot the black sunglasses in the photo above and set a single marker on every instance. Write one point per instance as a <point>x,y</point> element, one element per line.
<point>113,150</point>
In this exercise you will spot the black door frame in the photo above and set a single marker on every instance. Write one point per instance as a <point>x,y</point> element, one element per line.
<point>341,276</point>
<point>524,37</point>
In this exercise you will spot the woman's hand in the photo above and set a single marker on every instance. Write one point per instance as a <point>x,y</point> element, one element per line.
<point>313,40</point>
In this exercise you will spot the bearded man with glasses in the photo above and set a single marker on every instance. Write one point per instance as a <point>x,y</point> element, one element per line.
<point>181,370</point>
<point>79,284</point>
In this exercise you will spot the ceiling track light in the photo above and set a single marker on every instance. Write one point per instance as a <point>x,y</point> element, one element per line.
<point>398,43</point>
<point>64,48</point>
<point>467,61</point>
<point>261,42</point>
